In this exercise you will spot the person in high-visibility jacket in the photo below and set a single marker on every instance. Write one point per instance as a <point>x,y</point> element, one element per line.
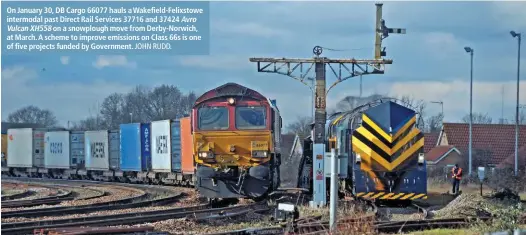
<point>457,176</point>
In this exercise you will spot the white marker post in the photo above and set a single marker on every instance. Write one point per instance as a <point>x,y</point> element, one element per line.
<point>334,190</point>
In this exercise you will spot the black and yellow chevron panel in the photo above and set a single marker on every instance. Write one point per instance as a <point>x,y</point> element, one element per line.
<point>391,196</point>
<point>388,139</point>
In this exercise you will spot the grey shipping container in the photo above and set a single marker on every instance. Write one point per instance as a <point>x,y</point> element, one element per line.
<point>77,149</point>
<point>115,150</point>
<point>175,127</point>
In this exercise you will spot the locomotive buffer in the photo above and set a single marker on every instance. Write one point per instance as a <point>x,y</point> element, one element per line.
<point>343,69</point>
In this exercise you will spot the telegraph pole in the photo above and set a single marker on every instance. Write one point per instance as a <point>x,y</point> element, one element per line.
<point>343,69</point>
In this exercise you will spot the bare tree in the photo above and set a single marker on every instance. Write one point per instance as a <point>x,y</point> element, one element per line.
<point>165,102</point>
<point>89,124</point>
<point>419,106</point>
<point>351,102</point>
<point>434,123</point>
<point>112,111</point>
<point>478,118</point>
<point>301,126</point>
<point>33,114</point>
<point>137,102</point>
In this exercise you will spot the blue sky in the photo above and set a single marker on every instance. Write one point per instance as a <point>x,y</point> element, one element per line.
<point>429,61</point>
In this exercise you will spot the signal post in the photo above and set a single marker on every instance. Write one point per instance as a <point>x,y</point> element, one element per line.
<point>343,69</point>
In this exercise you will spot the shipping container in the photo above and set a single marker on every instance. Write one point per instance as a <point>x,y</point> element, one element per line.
<point>135,147</point>
<point>38,147</point>
<point>97,150</point>
<point>20,147</point>
<point>115,151</point>
<point>175,126</point>
<point>4,149</point>
<point>77,149</point>
<point>56,150</point>
<point>187,152</point>
<point>130,147</point>
<point>146,146</point>
<point>161,146</point>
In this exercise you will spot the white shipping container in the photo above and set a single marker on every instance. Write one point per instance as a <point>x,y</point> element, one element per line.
<point>161,142</point>
<point>56,150</point>
<point>20,147</point>
<point>96,149</point>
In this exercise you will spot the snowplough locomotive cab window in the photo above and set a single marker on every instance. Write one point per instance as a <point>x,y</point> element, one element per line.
<point>251,118</point>
<point>213,118</point>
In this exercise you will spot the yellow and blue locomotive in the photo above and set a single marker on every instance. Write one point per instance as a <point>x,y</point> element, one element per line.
<point>380,152</point>
<point>237,138</point>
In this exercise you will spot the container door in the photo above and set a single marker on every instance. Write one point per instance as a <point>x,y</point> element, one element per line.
<point>176,146</point>
<point>130,153</point>
<point>56,150</point>
<point>77,149</point>
<point>114,145</point>
<point>96,148</point>
<point>38,148</point>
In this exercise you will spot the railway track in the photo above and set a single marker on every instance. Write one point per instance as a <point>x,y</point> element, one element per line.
<point>23,194</point>
<point>125,203</point>
<point>196,213</point>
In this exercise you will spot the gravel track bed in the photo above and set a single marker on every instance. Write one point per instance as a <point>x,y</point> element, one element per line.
<point>40,192</point>
<point>190,200</point>
<point>114,193</point>
<point>86,192</point>
<point>12,191</point>
<point>181,226</point>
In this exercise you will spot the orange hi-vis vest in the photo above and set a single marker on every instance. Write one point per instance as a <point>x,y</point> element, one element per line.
<point>457,174</point>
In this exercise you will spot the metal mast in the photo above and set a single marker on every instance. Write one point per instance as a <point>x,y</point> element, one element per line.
<point>343,69</point>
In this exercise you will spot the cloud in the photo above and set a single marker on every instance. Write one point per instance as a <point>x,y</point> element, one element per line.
<point>70,101</point>
<point>113,61</point>
<point>226,62</point>
<point>510,13</point>
<point>64,60</point>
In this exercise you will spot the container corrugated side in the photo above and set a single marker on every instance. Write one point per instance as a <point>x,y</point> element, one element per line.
<point>115,152</point>
<point>38,147</point>
<point>56,150</point>
<point>187,156</point>
<point>4,149</point>
<point>146,146</point>
<point>77,149</point>
<point>176,145</point>
<point>130,147</point>
<point>96,148</point>
<point>20,147</point>
<point>161,146</point>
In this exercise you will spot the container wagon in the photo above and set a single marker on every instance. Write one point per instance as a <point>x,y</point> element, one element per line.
<point>100,154</point>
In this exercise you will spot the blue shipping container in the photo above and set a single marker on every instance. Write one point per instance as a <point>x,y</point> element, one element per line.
<point>176,145</point>
<point>146,138</point>
<point>135,147</point>
<point>76,146</point>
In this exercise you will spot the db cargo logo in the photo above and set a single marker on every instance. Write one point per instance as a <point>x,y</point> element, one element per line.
<point>146,140</point>
<point>55,148</point>
<point>162,144</point>
<point>10,137</point>
<point>97,149</point>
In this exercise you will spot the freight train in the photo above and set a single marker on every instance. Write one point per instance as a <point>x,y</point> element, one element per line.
<point>228,148</point>
<point>379,150</point>
<point>237,140</point>
<point>153,153</point>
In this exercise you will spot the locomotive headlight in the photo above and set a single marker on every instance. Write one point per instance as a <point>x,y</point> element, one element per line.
<point>231,101</point>
<point>358,158</point>
<point>260,154</point>
<point>232,148</point>
<point>421,158</point>
<point>206,154</point>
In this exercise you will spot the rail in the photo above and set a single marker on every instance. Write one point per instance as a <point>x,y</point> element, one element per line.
<point>130,218</point>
